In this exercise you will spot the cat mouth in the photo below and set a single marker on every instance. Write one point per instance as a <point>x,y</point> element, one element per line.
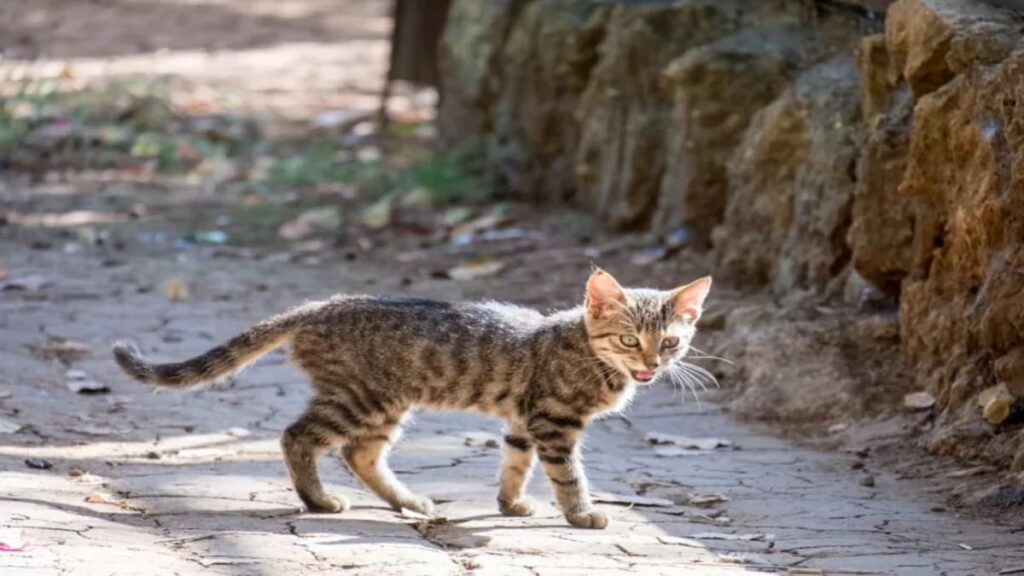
<point>642,375</point>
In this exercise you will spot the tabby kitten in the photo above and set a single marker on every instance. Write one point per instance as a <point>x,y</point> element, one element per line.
<point>372,359</point>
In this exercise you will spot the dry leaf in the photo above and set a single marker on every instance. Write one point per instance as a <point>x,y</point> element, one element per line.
<point>8,427</point>
<point>377,215</point>
<point>80,383</point>
<point>176,290</point>
<point>918,401</point>
<point>12,540</point>
<point>62,349</point>
<point>474,270</point>
<point>659,438</point>
<point>632,500</point>
<point>705,499</point>
<point>735,537</point>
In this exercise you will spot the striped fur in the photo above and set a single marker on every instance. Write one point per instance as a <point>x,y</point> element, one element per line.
<point>371,360</point>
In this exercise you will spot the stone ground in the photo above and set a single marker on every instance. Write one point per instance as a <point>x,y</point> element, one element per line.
<point>193,482</point>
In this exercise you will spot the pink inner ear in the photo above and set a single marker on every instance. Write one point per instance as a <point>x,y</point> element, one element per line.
<point>603,293</point>
<point>689,300</point>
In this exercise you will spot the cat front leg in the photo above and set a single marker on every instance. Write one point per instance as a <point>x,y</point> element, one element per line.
<point>557,440</point>
<point>518,459</point>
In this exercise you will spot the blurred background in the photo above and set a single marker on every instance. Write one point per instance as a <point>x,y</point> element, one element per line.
<point>849,171</point>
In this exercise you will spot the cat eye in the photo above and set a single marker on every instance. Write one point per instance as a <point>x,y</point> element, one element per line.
<point>629,341</point>
<point>670,342</point>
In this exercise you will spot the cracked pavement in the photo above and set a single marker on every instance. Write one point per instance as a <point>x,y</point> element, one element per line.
<point>196,484</point>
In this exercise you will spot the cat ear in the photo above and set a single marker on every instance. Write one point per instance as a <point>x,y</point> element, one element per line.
<point>603,294</point>
<point>688,301</point>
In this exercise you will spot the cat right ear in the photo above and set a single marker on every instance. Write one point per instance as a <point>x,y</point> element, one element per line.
<point>604,294</point>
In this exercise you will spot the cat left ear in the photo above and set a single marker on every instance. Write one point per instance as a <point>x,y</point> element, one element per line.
<point>604,294</point>
<point>688,301</point>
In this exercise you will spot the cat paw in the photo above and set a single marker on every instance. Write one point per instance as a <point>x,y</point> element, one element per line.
<point>326,504</point>
<point>593,519</point>
<point>520,507</point>
<point>420,504</point>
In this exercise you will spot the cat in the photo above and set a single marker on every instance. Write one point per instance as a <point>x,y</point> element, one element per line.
<point>373,359</point>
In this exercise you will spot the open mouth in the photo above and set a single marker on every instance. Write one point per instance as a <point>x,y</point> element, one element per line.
<point>642,375</point>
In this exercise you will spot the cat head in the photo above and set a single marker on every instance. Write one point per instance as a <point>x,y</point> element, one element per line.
<point>638,331</point>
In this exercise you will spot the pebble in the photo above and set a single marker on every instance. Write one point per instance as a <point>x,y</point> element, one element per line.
<point>868,481</point>
<point>38,463</point>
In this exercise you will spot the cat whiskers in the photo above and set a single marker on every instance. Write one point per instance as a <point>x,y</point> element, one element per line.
<point>705,355</point>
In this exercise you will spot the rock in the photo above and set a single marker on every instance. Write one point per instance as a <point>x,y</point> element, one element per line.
<point>919,401</point>
<point>961,304</point>
<point>716,89</point>
<point>930,41</point>
<point>466,58</point>
<point>790,185</point>
<point>995,404</point>
<point>1018,460</point>
<point>620,178</point>
<point>1009,369</point>
<point>868,481</point>
<point>80,383</point>
<point>38,463</point>
<point>882,220</point>
<point>543,67</point>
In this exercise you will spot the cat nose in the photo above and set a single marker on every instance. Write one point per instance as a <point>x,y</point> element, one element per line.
<point>652,363</point>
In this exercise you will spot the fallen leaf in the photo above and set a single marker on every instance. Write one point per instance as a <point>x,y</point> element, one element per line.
<point>632,500</point>
<point>706,519</point>
<point>705,499</point>
<point>102,498</point>
<point>325,218</point>
<point>918,401</point>
<point>8,427</point>
<point>659,438</point>
<point>225,561</point>
<point>476,269</point>
<point>176,290</point>
<point>215,237</point>
<point>64,350</point>
<point>419,198</point>
<point>377,215</point>
<point>80,383</point>
<point>649,256</point>
<point>735,537</point>
<point>456,215</point>
<point>340,120</point>
<point>12,540</point>
<point>492,219</point>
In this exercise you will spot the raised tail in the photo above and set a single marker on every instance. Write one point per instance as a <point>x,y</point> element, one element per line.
<point>214,364</point>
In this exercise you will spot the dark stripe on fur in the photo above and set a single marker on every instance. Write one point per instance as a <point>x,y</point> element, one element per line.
<point>560,421</point>
<point>561,460</point>
<point>518,442</point>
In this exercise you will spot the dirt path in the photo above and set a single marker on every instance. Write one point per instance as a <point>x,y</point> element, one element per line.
<point>195,482</point>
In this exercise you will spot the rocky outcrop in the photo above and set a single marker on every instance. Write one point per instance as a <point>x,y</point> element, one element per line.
<point>811,151</point>
<point>791,185</point>
<point>622,151</point>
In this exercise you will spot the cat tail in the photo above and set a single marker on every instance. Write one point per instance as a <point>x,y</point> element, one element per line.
<point>216,363</point>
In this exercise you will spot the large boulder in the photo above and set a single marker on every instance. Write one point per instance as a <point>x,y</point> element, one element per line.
<point>715,91</point>
<point>543,68</point>
<point>791,185</point>
<point>469,49</point>
<point>882,232</point>
<point>624,111</point>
